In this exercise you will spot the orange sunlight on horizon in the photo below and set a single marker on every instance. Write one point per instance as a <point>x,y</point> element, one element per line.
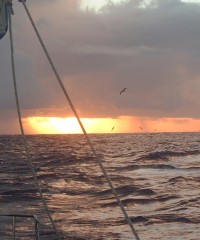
<point>69,125</point>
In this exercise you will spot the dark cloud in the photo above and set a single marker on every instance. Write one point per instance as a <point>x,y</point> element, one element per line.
<point>153,52</point>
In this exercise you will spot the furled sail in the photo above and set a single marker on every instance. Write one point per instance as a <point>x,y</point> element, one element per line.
<point>5,10</point>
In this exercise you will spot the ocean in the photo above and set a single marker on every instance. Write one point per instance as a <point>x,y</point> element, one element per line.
<point>157,176</point>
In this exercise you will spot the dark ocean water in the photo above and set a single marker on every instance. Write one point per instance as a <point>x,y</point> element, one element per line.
<point>157,177</point>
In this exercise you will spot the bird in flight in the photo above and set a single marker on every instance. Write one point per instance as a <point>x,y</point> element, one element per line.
<point>112,128</point>
<point>141,128</point>
<point>123,91</point>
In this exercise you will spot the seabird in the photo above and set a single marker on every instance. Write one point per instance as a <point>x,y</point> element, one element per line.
<point>123,91</point>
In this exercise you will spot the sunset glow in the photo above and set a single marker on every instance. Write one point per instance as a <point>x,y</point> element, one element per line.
<point>58,125</point>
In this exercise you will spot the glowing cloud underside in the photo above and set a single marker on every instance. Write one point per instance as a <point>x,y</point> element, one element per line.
<point>97,5</point>
<point>191,1</point>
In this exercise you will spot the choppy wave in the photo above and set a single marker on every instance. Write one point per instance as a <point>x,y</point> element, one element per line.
<point>166,154</point>
<point>157,181</point>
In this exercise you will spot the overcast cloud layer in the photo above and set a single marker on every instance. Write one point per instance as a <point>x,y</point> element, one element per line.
<point>154,52</point>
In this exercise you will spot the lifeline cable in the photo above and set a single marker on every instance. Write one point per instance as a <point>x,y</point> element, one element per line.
<point>80,123</point>
<point>22,131</point>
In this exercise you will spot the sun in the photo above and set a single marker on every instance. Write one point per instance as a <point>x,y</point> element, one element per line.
<point>54,125</point>
<point>70,125</point>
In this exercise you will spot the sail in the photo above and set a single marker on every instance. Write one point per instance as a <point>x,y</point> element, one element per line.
<point>5,9</point>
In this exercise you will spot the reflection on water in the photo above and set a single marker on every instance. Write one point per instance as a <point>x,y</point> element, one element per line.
<point>156,176</point>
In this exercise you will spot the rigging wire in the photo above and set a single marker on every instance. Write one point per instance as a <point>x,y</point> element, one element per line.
<point>22,130</point>
<point>80,123</point>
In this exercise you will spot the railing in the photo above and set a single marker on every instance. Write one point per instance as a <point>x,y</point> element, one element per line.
<point>15,216</point>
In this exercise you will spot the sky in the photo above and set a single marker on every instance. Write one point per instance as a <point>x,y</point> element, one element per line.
<point>151,48</point>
